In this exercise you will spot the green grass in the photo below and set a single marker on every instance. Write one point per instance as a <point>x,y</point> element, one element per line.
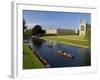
<point>72,40</point>
<point>30,60</point>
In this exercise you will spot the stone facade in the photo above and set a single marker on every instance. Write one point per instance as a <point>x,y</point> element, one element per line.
<point>51,31</point>
<point>60,31</point>
<point>82,29</point>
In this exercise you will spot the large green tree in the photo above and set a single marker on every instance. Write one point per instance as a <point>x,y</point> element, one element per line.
<point>25,34</point>
<point>37,30</point>
<point>24,25</point>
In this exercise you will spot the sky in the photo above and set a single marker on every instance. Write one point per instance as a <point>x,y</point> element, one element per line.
<point>50,19</point>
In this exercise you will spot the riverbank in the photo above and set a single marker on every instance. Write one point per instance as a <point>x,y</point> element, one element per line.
<point>30,60</point>
<point>70,40</point>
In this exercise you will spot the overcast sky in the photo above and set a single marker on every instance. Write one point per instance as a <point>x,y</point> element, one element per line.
<point>48,19</point>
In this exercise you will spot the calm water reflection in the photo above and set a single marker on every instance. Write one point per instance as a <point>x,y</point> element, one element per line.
<point>82,56</point>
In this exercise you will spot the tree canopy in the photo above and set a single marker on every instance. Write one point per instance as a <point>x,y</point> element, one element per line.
<point>24,25</point>
<point>88,31</point>
<point>37,30</point>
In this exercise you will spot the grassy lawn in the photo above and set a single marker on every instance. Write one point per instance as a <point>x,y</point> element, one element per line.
<point>30,61</point>
<point>72,40</point>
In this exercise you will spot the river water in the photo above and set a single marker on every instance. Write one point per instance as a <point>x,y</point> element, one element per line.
<point>82,56</point>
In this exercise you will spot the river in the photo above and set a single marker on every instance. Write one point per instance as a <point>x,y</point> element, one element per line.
<point>82,56</point>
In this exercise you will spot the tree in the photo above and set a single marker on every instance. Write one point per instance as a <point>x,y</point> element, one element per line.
<point>88,31</point>
<point>24,29</point>
<point>24,25</point>
<point>27,33</point>
<point>37,30</point>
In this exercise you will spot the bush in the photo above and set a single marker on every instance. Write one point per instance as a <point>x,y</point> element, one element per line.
<point>27,33</point>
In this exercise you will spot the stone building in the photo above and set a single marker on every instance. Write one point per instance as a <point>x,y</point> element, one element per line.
<point>82,28</point>
<point>60,31</point>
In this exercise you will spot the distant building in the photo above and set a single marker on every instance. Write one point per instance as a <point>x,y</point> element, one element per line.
<point>60,31</point>
<point>51,31</point>
<point>83,28</point>
<point>77,31</point>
